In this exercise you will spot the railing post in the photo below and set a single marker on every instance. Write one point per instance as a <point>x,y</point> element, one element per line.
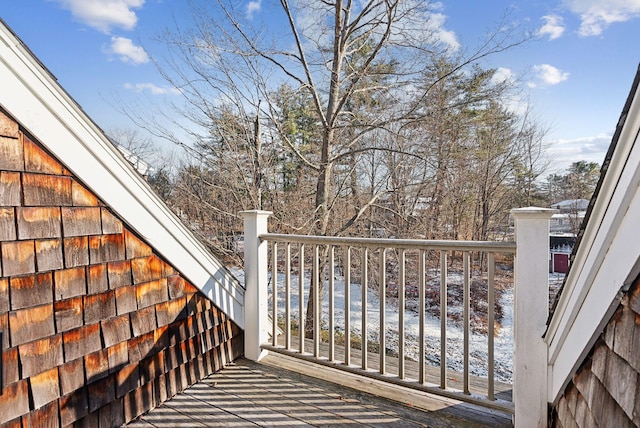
<point>531,279</point>
<point>256,317</point>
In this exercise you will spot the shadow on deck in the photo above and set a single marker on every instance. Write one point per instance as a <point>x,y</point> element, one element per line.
<point>279,391</point>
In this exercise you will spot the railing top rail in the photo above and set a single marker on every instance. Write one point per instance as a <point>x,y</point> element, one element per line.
<point>421,244</point>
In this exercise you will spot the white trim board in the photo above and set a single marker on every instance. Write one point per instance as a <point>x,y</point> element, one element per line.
<point>605,261</point>
<point>30,94</point>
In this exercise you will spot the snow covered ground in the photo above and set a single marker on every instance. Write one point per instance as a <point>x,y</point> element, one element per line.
<point>503,340</point>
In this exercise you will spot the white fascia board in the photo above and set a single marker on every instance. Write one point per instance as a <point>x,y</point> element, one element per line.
<point>30,93</point>
<point>607,255</point>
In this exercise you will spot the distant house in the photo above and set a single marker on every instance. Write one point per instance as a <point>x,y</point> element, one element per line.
<point>109,306</point>
<point>571,205</point>
<point>593,334</point>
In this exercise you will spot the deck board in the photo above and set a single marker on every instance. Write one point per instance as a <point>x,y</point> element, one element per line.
<point>249,394</point>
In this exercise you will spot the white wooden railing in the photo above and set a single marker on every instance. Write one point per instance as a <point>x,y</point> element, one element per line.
<point>271,326</point>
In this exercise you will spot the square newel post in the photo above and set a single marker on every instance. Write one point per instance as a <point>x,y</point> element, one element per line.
<point>256,319</point>
<point>531,279</point>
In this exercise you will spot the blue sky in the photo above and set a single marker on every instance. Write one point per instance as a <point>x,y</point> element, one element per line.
<point>576,75</point>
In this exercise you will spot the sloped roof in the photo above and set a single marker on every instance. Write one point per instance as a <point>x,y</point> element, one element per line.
<point>31,94</point>
<point>606,258</point>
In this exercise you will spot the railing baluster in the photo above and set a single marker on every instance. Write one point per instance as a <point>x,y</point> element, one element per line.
<point>401,286</point>
<point>490,332</point>
<point>331,304</point>
<point>421,316</point>
<point>443,319</point>
<point>383,304</point>
<point>363,287</point>
<point>347,308</point>
<point>317,308</point>
<point>301,301</point>
<point>274,289</point>
<point>287,296</point>
<point>465,316</point>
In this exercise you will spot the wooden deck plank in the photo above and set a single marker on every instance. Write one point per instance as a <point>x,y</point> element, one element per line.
<point>249,394</point>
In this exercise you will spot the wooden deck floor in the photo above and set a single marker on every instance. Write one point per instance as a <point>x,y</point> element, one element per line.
<point>271,393</point>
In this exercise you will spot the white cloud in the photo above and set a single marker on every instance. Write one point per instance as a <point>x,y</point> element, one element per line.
<point>127,51</point>
<point>553,27</point>
<point>597,15</point>
<point>253,7</point>
<point>152,89</point>
<point>104,14</point>
<point>548,75</point>
<point>436,23</point>
<point>502,75</point>
<point>590,149</point>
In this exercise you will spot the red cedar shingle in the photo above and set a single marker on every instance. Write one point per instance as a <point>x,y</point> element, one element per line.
<point>151,368</point>
<point>143,320</point>
<point>7,224</point>
<point>31,324</point>
<point>82,197</point>
<point>170,311</point>
<point>99,307</point>
<point>73,407</point>
<point>46,190</point>
<point>119,274</point>
<point>14,401</point>
<point>96,365</point>
<point>76,251</point>
<point>106,248</point>
<point>10,189</point>
<point>176,286</point>
<point>146,269</point>
<point>102,393</point>
<point>45,416</point>
<point>634,298</point>
<point>118,356</point>
<point>38,222</point>
<point>69,283</point>
<point>112,415</point>
<point>49,255</point>
<point>4,296</point>
<point>116,330</point>
<point>81,341</point>
<point>45,387</point>
<point>31,290</point>
<point>135,246</point>
<point>138,402</point>
<point>11,154</point>
<point>140,347</point>
<point>97,280</point>
<point>110,223</point>
<point>160,389</point>
<point>8,126</point>
<point>152,292</point>
<point>125,300</point>
<point>36,159</point>
<point>71,376</point>
<point>4,326</point>
<point>161,339</point>
<point>68,314</point>
<point>18,258</point>
<point>40,355</point>
<point>127,379</point>
<point>81,221</point>
<point>10,367</point>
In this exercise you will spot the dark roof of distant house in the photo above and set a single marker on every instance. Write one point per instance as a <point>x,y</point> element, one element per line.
<point>603,172</point>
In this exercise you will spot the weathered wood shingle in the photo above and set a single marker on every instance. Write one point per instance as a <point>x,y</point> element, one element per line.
<point>49,254</point>
<point>11,154</point>
<point>36,159</point>
<point>99,327</point>
<point>10,189</point>
<point>38,222</point>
